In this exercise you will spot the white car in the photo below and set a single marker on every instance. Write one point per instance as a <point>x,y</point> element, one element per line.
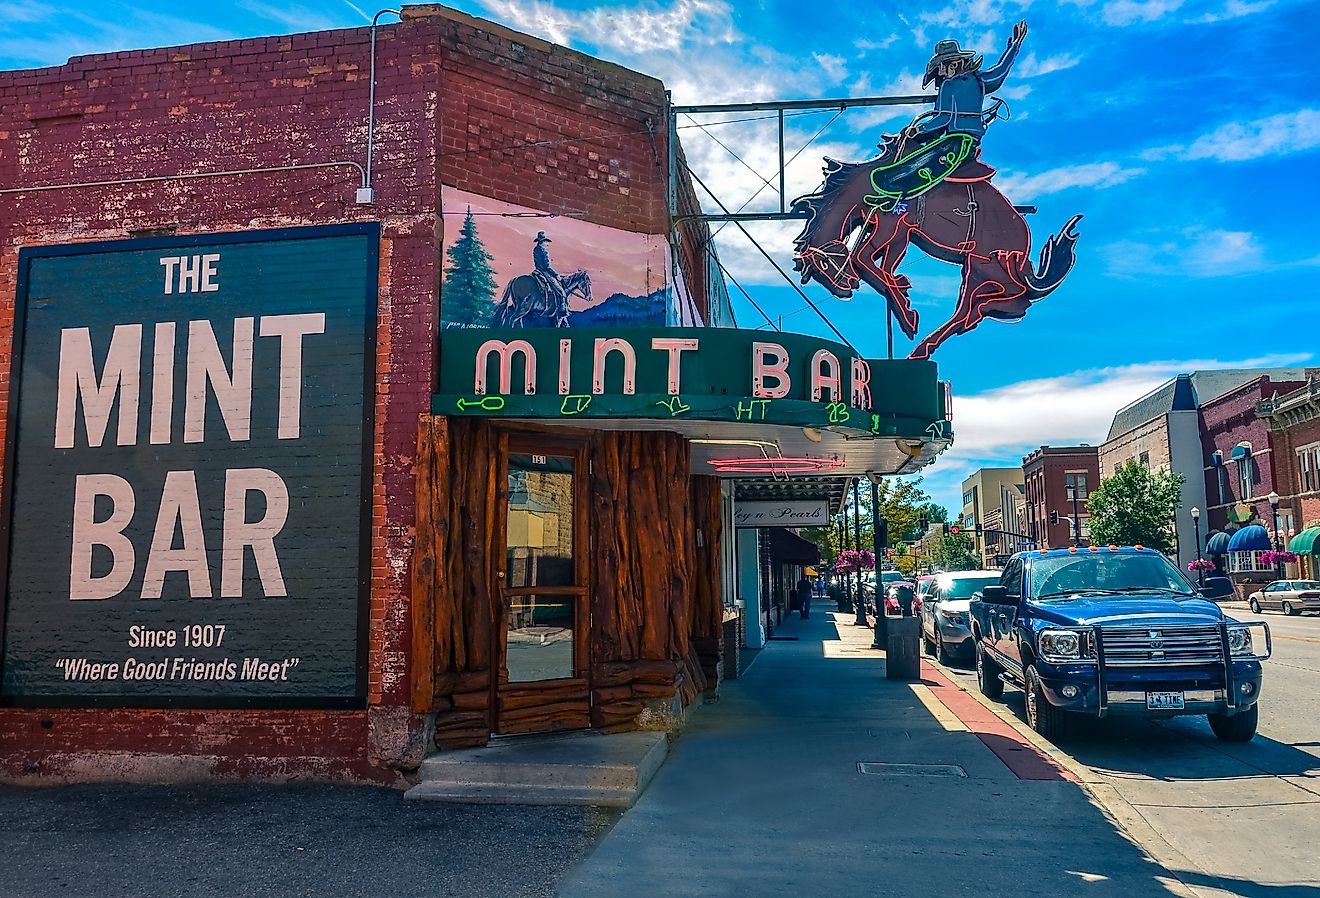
<point>944,627</point>
<point>1288,596</point>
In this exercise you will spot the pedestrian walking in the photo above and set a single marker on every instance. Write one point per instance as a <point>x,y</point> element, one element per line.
<point>804,597</point>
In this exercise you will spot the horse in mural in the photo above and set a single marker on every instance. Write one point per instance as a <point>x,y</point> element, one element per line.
<point>938,196</point>
<point>534,295</point>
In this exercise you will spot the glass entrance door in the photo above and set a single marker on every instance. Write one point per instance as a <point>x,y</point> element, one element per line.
<point>542,643</point>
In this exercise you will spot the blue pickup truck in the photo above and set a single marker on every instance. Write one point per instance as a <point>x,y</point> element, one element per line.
<point>1110,630</point>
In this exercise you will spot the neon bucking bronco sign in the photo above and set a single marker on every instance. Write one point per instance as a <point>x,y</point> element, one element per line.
<point>929,187</point>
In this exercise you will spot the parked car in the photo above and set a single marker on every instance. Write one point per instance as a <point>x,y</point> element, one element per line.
<point>944,629</point>
<point>1288,596</point>
<point>1115,631</point>
<point>925,583</point>
<point>900,593</point>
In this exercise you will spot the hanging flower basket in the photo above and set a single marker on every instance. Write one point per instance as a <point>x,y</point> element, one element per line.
<point>1271,558</point>
<point>851,560</point>
<point>1200,564</point>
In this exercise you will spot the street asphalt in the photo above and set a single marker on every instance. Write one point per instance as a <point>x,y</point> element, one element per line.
<point>247,840</point>
<point>1227,819</point>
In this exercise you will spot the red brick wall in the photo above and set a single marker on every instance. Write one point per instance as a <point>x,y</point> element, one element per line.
<point>459,101</point>
<point>252,103</point>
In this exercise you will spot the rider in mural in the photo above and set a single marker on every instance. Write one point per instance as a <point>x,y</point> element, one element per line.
<point>551,283</point>
<point>961,87</point>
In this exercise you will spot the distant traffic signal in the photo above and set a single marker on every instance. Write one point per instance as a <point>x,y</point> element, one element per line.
<point>1054,517</point>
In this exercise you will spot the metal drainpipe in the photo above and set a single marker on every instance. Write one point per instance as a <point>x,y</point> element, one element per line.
<point>367,193</point>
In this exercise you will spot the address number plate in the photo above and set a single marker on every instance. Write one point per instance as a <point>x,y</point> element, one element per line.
<point>1164,701</point>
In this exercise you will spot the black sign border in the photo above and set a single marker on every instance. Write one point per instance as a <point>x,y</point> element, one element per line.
<point>357,701</point>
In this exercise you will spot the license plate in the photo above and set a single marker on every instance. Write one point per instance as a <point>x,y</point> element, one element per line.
<point>1164,701</point>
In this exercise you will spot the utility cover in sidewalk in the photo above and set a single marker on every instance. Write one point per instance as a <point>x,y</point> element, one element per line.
<point>885,768</point>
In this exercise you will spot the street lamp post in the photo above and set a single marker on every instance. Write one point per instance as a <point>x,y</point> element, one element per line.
<point>857,535</point>
<point>844,584</point>
<point>1077,519</point>
<point>1196,526</point>
<point>1273,499</point>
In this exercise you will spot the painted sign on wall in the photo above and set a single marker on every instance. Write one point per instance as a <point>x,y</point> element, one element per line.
<point>785,513</point>
<point>511,266</point>
<point>188,479</point>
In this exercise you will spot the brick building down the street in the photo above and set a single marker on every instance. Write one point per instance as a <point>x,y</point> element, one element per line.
<point>1058,481</point>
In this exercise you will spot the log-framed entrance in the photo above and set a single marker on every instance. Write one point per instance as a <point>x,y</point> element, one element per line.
<point>541,638</point>
<point>651,538</point>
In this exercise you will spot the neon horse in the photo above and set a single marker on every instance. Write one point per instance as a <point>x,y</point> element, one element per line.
<point>527,296</point>
<point>863,218</point>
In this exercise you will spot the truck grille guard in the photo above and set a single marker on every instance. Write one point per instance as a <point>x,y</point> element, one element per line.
<point>1166,645</point>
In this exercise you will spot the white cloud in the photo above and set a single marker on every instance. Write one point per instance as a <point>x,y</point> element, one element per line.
<point>867,44</point>
<point>1134,12</point>
<point>835,67</point>
<point>643,28</point>
<point>1274,135</point>
<point>50,34</point>
<point>1094,174</point>
<point>1195,251</point>
<point>1032,66</point>
<point>999,427</point>
<point>1235,9</point>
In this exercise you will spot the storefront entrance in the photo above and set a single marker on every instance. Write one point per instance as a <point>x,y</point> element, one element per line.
<point>541,641</point>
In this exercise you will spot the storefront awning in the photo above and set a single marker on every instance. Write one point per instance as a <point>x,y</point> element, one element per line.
<point>754,404</point>
<point>790,548</point>
<point>1217,544</point>
<point>1252,538</point>
<point>1304,543</point>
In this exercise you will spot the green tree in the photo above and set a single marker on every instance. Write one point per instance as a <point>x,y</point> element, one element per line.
<point>1136,506</point>
<point>901,503</point>
<point>953,552</point>
<point>468,294</point>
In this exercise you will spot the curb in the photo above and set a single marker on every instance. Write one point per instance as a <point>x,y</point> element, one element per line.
<point>1126,818</point>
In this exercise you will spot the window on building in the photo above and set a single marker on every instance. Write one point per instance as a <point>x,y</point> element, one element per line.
<point>1246,563</point>
<point>968,497</point>
<point>1308,468</point>
<point>1144,460</point>
<point>1246,477</point>
<point>1076,486</point>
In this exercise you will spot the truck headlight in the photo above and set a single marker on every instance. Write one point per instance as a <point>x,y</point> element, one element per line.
<point>1060,645</point>
<point>1239,641</point>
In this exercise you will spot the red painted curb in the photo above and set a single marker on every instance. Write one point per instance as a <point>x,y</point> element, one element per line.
<point>1026,761</point>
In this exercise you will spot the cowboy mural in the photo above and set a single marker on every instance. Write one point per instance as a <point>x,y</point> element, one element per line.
<point>929,187</point>
<point>541,296</point>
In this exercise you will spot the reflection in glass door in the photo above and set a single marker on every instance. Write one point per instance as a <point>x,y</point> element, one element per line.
<point>542,644</point>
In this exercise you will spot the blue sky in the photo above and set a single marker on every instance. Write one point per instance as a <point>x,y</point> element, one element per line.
<point>1178,129</point>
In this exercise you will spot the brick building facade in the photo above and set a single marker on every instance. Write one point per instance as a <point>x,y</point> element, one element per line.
<point>1293,420</point>
<point>460,103</point>
<point>1054,476</point>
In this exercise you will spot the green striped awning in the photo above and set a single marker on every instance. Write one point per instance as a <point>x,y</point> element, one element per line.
<point>1304,543</point>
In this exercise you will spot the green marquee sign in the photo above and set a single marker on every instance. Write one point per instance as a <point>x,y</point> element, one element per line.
<point>701,374</point>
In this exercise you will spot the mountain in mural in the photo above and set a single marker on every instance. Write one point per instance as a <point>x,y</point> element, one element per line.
<point>622,309</point>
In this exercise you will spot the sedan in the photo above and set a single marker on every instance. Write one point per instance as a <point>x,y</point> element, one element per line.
<point>1288,596</point>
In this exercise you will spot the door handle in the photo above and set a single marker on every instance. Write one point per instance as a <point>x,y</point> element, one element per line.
<point>500,575</point>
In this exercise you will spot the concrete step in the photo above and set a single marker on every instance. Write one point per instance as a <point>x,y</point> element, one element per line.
<point>580,768</point>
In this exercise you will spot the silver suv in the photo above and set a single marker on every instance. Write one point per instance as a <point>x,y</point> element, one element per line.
<point>944,627</point>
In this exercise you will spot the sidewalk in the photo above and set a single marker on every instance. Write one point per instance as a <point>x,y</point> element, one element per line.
<point>762,795</point>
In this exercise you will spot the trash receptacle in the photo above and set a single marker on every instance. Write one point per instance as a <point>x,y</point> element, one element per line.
<point>903,655</point>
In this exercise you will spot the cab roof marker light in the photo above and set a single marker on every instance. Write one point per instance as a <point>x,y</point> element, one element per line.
<point>1139,547</point>
<point>1113,548</point>
<point>1095,548</point>
<point>1072,550</point>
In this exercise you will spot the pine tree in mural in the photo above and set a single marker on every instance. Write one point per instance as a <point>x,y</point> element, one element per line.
<point>468,294</point>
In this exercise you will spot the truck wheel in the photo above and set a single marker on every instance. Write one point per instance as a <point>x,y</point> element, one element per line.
<point>1240,727</point>
<point>1288,609</point>
<point>987,675</point>
<point>1043,717</point>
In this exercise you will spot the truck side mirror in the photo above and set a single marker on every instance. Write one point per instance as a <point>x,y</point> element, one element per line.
<point>1217,588</point>
<point>997,595</point>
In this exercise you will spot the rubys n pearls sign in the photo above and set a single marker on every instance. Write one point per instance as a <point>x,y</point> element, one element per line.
<point>190,470</point>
